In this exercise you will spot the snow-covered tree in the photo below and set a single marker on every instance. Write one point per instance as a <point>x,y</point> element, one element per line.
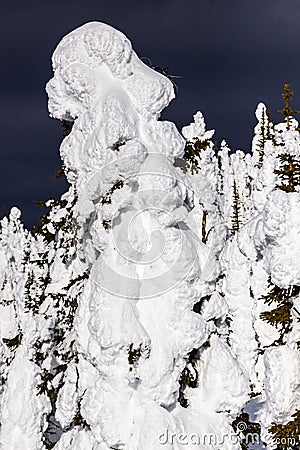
<point>157,304</point>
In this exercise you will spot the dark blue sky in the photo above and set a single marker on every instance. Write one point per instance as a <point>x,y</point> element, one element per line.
<point>231,54</point>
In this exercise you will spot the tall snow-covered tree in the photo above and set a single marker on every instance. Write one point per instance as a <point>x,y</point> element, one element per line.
<point>132,318</point>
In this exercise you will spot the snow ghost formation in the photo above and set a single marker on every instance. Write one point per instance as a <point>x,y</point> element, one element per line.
<point>140,313</point>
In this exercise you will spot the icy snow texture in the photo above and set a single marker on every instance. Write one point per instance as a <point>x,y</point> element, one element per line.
<point>22,406</point>
<point>141,265</point>
<point>145,278</point>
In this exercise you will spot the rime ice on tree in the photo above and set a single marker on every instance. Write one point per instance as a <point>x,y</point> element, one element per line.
<point>134,325</point>
<point>157,304</point>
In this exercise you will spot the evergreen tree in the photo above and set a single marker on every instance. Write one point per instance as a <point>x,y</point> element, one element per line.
<point>192,153</point>
<point>287,435</point>
<point>287,110</point>
<point>235,220</point>
<point>281,316</point>
<point>288,172</point>
<point>265,133</point>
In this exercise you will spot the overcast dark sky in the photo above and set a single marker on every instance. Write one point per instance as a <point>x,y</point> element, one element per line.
<point>231,54</point>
